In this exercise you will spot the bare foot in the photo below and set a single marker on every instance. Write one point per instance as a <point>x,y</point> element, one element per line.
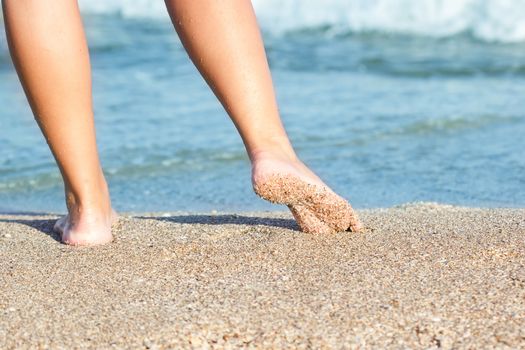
<point>86,228</point>
<point>266,163</point>
<point>314,205</point>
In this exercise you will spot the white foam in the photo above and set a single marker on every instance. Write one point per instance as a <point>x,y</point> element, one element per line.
<point>490,20</point>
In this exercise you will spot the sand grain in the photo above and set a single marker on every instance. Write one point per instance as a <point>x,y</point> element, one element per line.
<point>421,276</point>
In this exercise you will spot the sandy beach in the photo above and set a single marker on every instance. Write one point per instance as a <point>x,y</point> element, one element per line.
<point>421,276</point>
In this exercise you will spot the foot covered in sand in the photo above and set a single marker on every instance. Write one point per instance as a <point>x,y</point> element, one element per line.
<point>315,207</point>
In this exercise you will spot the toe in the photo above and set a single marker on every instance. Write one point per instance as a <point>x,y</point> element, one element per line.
<point>307,220</point>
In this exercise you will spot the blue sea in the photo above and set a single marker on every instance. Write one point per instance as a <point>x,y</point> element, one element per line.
<point>389,101</point>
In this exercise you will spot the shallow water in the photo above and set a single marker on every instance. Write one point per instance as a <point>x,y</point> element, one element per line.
<point>384,118</point>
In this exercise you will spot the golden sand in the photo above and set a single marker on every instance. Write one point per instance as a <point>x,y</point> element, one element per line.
<point>423,276</point>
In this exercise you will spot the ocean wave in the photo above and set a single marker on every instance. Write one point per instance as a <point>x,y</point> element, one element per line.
<point>487,20</point>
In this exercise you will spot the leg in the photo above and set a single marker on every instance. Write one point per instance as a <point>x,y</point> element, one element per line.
<point>49,50</point>
<point>223,40</point>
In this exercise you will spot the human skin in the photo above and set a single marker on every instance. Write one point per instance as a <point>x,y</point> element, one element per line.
<point>224,42</point>
<point>49,50</point>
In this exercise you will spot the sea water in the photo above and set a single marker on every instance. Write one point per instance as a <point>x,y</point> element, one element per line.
<point>388,101</point>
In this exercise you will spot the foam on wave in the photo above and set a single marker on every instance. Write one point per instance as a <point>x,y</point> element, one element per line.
<point>489,20</point>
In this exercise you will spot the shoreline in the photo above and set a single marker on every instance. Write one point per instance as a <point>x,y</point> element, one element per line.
<point>278,209</point>
<point>421,275</point>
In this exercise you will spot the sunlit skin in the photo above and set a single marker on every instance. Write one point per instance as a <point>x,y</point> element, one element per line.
<point>49,50</point>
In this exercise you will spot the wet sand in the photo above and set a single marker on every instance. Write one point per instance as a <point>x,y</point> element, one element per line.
<point>421,276</point>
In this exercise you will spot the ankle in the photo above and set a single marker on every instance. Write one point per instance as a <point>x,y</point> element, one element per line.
<point>276,147</point>
<point>94,202</point>
<point>274,152</point>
